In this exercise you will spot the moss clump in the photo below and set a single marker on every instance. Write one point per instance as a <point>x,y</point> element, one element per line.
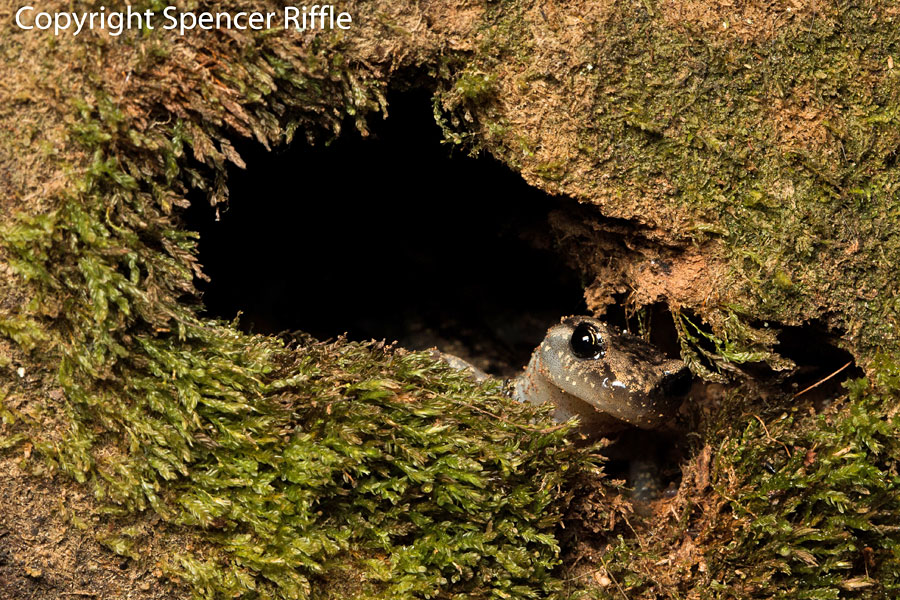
<point>305,471</point>
<point>818,499</point>
<point>294,463</point>
<point>475,86</point>
<point>553,170</point>
<point>711,355</point>
<point>791,504</point>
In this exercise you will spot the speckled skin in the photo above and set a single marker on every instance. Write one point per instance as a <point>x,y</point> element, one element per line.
<point>630,383</point>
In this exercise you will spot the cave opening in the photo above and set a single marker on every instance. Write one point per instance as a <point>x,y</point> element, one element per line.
<point>400,237</point>
<point>392,236</point>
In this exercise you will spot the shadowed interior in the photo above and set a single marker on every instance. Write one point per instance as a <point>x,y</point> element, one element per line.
<point>394,236</point>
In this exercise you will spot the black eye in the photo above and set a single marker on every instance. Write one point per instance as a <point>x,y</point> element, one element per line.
<point>586,341</point>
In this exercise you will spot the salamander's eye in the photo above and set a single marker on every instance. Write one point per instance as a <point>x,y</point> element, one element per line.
<point>587,342</point>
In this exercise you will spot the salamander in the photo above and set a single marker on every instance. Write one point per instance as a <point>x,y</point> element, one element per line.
<point>608,379</point>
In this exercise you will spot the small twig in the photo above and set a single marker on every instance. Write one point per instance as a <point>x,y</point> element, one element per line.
<point>821,381</point>
<point>612,577</point>
<point>771,439</point>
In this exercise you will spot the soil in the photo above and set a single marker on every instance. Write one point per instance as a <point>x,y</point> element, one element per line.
<point>43,557</point>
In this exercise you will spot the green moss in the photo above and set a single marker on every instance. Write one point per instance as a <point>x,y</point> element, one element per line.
<point>348,470</point>
<point>781,142</point>
<point>24,332</point>
<point>475,86</point>
<point>290,462</point>
<point>710,354</point>
<point>788,503</point>
<point>553,170</point>
<point>294,465</point>
<point>817,503</point>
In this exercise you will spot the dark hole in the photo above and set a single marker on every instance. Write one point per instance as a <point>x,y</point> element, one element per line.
<point>392,237</point>
<point>677,384</point>
<point>820,362</point>
<point>654,323</point>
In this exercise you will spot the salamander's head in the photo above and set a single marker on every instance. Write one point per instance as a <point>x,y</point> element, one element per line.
<point>620,376</point>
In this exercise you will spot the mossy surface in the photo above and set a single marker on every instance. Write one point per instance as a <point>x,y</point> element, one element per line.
<point>777,502</point>
<point>765,134</point>
<point>763,152</point>
<point>304,471</point>
<point>819,519</point>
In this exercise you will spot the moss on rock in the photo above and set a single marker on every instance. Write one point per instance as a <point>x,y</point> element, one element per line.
<point>750,149</point>
<point>764,134</point>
